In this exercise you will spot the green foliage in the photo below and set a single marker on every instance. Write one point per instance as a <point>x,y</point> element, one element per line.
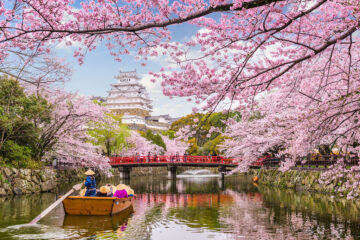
<point>185,121</point>
<point>212,146</point>
<point>193,147</point>
<point>21,118</point>
<point>34,164</point>
<point>15,155</point>
<point>154,138</point>
<point>169,133</point>
<point>110,134</point>
<point>206,121</point>
<point>201,143</point>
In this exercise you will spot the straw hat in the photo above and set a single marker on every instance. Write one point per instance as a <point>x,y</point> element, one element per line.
<point>130,192</point>
<point>89,172</point>
<point>121,187</point>
<point>104,189</point>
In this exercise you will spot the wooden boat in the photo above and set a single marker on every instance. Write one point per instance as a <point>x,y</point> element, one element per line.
<point>78,205</point>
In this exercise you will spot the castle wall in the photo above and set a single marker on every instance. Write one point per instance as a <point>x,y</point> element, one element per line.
<point>133,111</point>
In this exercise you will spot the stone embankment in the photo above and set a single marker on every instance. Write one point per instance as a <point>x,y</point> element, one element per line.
<point>342,185</point>
<point>25,181</point>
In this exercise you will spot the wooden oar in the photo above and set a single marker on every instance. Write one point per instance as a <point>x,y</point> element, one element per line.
<point>76,187</point>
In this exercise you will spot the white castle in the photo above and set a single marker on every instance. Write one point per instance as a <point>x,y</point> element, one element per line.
<point>129,98</point>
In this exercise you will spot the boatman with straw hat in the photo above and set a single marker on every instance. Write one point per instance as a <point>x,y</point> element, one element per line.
<point>90,184</point>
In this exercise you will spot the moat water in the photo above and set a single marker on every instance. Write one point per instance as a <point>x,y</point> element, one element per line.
<point>191,208</point>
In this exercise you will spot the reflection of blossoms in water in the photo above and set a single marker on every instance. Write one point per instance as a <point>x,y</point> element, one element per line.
<point>251,218</point>
<point>157,211</point>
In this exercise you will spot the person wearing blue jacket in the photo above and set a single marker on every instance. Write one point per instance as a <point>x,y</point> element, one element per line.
<point>90,184</point>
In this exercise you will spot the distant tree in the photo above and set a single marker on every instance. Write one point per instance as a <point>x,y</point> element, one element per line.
<point>110,134</point>
<point>174,146</point>
<point>200,129</point>
<point>140,145</point>
<point>169,133</point>
<point>193,147</point>
<point>213,146</point>
<point>154,138</point>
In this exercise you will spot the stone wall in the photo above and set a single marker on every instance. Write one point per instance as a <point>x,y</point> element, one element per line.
<point>313,181</point>
<point>25,181</point>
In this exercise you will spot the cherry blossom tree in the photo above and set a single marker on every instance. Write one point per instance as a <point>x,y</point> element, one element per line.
<point>306,52</point>
<point>33,67</point>
<point>66,136</point>
<point>249,47</point>
<point>295,125</point>
<point>140,145</point>
<point>174,146</point>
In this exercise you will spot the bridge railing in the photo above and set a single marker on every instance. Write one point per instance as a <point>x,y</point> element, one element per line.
<point>170,159</point>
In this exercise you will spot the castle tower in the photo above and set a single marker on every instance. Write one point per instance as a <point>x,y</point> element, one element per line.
<point>129,98</point>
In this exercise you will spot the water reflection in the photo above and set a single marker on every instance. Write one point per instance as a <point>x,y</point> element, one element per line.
<point>191,208</point>
<point>99,226</point>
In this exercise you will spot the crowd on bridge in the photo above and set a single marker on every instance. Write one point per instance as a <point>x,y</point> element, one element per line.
<point>154,158</point>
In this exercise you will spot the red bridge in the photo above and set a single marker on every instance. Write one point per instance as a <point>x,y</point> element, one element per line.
<point>171,162</point>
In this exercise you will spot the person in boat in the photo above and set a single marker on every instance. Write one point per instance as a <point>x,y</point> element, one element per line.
<point>130,192</point>
<point>90,184</point>
<point>121,193</point>
<point>111,193</point>
<point>105,191</point>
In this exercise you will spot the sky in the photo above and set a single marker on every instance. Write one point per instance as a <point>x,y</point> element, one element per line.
<point>94,76</point>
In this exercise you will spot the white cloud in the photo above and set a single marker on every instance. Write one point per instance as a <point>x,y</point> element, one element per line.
<point>153,88</point>
<point>74,44</point>
<point>162,104</point>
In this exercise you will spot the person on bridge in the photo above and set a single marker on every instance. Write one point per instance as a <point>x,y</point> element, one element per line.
<point>155,158</point>
<point>137,157</point>
<point>142,157</point>
<point>172,157</point>
<point>148,157</point>
<point>185,156</point>
<point>90,184</point>
<point>177,157</point>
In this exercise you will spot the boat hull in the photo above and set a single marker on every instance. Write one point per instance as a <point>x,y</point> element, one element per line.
<point>78,205</point>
